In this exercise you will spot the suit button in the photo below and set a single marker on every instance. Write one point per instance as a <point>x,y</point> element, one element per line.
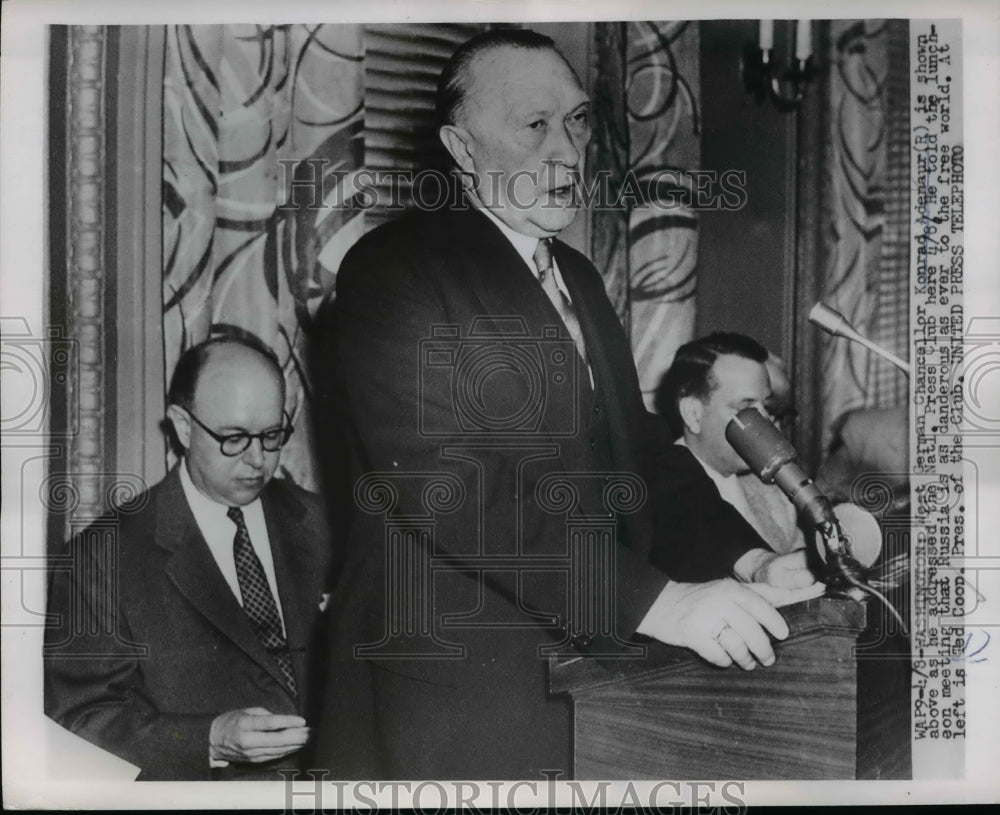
<point>593,445</point>
<point>597,409</point>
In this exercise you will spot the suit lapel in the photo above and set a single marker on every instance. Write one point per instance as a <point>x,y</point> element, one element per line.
<point>610,357</point>
<point>295,573</point>
<point>501,282</point>
<point>498,276</point>
<point>196,575</point>
<point>583,307</point>
<point>505,287</point>
<point>607,346</point>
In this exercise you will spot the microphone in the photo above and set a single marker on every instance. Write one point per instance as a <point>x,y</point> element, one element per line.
<point>775,461</point>
<point>835,323</point>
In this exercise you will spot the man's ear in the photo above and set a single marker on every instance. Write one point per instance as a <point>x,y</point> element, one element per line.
<point>182,424</point>
<point>691,409</point>
<point>458,142</point>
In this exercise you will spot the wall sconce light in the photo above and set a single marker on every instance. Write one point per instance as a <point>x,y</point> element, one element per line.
<point>765,77</point>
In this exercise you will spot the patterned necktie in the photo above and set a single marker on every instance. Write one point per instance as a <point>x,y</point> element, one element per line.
<point>546,276</point>
<point>258,602</point>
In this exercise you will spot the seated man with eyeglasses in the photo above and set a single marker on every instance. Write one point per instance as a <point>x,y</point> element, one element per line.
<point>181,626</point>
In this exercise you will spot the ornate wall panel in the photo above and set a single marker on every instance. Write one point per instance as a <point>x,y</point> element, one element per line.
<point>75,489</point>
<point>103,128</point>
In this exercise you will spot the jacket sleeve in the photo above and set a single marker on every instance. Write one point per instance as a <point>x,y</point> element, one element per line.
<point>93,683</point>
<point>698,535</point>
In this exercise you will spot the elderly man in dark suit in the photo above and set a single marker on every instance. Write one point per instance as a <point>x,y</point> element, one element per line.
<point>181,625</point>
<point>497,438</point>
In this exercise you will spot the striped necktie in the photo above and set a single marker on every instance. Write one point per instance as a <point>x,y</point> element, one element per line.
<point>546,276</point>
<point>258,602</point>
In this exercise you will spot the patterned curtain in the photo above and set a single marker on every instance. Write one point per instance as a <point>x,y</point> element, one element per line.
<point>886,386</point>
<point>262,126</point>
<point>646,87</point>
<point>856,222</point>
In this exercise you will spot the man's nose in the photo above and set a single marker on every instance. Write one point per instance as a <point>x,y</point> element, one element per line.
<point>254,454</point>
<point>567,148</point>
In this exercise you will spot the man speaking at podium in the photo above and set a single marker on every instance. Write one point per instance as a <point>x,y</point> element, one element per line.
<point>488,474</point>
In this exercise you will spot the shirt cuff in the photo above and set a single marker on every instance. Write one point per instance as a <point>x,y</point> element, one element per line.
<point>745,568</point>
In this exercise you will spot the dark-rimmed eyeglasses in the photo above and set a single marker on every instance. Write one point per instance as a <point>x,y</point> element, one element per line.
<point>233,444</point>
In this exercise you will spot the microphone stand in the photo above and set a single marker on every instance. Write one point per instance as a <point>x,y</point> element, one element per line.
<point>836,324</point>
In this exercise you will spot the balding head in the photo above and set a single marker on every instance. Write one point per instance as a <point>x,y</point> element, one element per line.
<point>224,388</point>
<point>192,362</point>
<point>457,76</point>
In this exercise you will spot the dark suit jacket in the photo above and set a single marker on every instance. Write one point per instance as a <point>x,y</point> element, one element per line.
<point>146,643</point>
<point>700,535</point>
<point>454,409</point>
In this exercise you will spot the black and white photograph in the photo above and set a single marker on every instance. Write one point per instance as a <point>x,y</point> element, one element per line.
<point>499,404</point>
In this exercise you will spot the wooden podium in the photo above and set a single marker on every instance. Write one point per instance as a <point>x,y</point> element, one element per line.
<point>827,708</point>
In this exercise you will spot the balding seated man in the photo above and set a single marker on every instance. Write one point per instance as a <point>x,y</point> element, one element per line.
<point>706,525</point>
<point>180,624</point>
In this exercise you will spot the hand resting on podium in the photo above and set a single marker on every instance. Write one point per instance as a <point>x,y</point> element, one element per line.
<point>722,621</point>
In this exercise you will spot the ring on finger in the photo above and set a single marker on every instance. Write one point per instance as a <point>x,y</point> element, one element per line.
<point>732,643</point>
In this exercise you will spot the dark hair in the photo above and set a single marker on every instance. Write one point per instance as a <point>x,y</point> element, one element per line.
<point>452,85</point>
<point>184,382</point>
<point>690,374</point>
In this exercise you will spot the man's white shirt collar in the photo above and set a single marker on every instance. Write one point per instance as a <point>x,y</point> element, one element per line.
<point>218,530</point>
